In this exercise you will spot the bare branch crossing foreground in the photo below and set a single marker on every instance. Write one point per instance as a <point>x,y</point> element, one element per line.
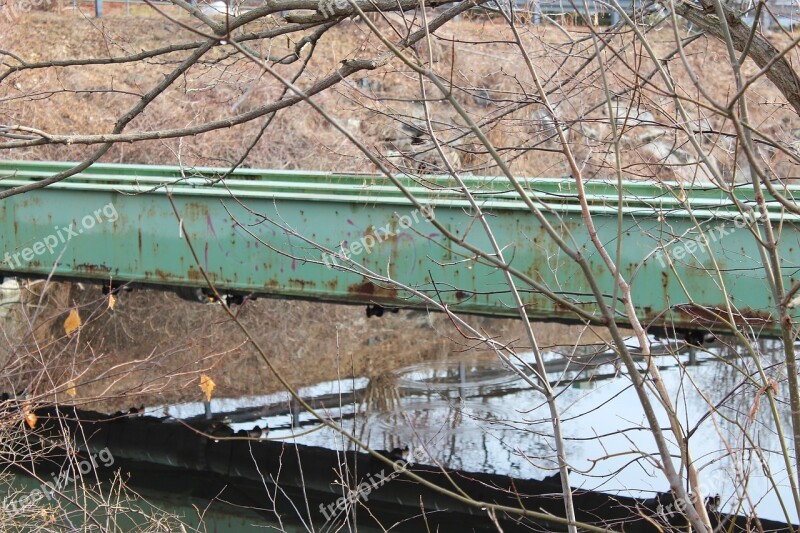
<point>683,95</point>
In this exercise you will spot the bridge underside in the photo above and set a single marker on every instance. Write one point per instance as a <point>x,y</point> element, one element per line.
<point>692,264</point>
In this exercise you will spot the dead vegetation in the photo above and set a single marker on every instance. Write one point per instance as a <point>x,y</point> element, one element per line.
<point>383,107</point>
<point>608,104</point>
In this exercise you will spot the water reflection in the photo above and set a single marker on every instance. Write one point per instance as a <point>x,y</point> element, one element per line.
<point>475,414</point>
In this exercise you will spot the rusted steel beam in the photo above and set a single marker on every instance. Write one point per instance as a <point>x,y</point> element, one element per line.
<point>116,223</point>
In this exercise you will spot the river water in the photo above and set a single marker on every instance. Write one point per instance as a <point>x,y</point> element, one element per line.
<point>473,413</point>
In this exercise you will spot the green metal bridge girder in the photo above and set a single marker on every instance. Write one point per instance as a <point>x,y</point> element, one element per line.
<point>116,222</point>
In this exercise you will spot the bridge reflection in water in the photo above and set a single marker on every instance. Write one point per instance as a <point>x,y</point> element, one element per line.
<point>474,415</point>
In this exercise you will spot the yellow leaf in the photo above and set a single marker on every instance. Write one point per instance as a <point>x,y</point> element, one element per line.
<point>112,301</point>
<point>72,323</point>
<point>31,419</point>
<point>207,386</point>
<point>71,392</point>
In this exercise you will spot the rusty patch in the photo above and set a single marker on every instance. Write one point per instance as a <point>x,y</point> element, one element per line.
<point>301,283</point>
<point>367,288</point>
<point>707,316</point>
<point>163,275</point>
<point>193,211</point>
<point>93,269</point>
<point>193,274</point>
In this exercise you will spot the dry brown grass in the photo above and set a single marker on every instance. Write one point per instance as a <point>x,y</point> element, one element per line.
<point>63,101</point>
